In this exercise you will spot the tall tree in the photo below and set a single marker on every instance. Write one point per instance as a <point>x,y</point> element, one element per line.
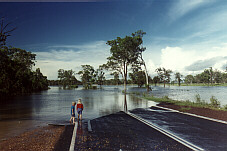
<point>67,78</point>
<point>164,75</point>
<point>87,75</point>
<point>156,79</point>
<point>178,77</point>
<point>140,34</point>
<point>100,75</point>
<point>125,53</point>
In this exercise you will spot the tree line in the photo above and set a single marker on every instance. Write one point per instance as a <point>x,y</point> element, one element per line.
<point>16,74</point>
<point>126,56</point>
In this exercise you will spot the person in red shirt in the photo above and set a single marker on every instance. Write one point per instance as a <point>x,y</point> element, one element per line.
<point>79,108</point>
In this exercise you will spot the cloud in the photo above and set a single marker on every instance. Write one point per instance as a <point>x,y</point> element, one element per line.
<point>186,60</point>
<point>204,64</point>
<point>182,7</point>
<point>71,57</point>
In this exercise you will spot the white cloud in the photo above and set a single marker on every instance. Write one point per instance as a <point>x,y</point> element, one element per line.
<point>71,57</point>
<point>187,61</point>
<point>95,54</point>
<point>182,7</point>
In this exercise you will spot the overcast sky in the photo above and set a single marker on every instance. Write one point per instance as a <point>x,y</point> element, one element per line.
<point>186,36</point>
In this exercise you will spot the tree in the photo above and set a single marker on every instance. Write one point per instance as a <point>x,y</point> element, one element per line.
<point>67,78</point>
<point>164,75</point>
<point>138,77</point>
<point>156,79</point>
<point>178,77</point>
<point>16,72</point>
<point>189,79</point>
<point>87,75</point>
<point>140,34</point>
<point>100,75</point>
<point>125,53</point>
<point>217,76</point>
<point>205,76</point>
<point>5,32</point>
<point>116,80</point>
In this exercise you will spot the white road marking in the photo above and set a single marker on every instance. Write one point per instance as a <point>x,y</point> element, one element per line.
<point>157,110</point>
<point>167,133</point>
<point>199,116</point>
<point>72,145</point>
<point>89,126</point>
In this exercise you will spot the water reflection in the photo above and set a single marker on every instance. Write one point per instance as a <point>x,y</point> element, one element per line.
<point>53,106</point>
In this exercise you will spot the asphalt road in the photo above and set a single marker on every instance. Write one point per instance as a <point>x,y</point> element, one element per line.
<point>206,134</point>
<point>121,132</point>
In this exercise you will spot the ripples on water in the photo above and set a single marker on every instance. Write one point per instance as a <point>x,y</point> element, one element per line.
<point>53,105</point>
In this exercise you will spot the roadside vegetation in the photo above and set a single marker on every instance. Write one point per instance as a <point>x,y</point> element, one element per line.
<point>213,104</point>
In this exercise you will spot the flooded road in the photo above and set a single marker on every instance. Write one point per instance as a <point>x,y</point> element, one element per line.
<point>53,106</point>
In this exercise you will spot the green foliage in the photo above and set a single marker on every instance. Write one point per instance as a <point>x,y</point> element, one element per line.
<point>164,75</point>
<point>138,77</point>
<point>125,52</point>
<point>225,107</point>
<point>198,98</point>
<point>16,72</point>
<point>178,77</point>
<point>87,75</point>
<point>67,78</point>
<point>116,80</point>
<point>100,75</point>
<point>214,102</point>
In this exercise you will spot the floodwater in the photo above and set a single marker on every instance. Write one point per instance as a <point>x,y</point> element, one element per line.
<point>53,106</point>
<point>189,92</point>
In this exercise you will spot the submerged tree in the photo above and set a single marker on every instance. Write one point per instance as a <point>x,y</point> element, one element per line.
<point>100,75</point>
<point>178,77</point>
<point>67,78</point>
<point>125,53</point>
<point>138,77</point>
<point>163,74</point>
<point>87,75</point>
<point>116,79</point>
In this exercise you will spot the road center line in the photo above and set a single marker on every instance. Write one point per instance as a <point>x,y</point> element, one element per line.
<point>169,134</point>
<point>72,145</point>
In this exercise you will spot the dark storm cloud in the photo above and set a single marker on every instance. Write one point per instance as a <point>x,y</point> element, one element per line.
<point>203,64</point>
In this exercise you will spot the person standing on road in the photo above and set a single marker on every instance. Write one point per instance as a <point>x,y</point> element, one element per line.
<point>79,108</point>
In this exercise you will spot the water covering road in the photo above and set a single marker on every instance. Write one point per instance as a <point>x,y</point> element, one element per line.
<point>206,134</point>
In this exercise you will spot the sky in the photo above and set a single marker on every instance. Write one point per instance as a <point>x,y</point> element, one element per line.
<point>186,36</point>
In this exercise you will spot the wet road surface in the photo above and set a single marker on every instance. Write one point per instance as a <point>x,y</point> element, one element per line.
<point>120,131</point>
<point>206,134</point>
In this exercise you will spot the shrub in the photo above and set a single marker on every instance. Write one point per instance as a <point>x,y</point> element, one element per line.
<point>225,107</point>
<point>165,97</point>
<point>214,102</point>
<point>198,98</point>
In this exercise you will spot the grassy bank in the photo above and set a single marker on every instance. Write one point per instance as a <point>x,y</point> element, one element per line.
<point>214,103</point>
